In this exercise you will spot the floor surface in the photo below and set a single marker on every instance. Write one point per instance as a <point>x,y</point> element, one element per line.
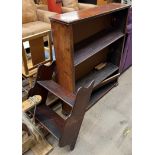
<point>106,129</point>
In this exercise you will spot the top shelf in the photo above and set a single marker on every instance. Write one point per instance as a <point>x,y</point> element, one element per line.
<point>95,45</point>
<point>75,16</point>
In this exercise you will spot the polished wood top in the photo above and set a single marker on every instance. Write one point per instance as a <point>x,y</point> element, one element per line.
<point>76,16</point>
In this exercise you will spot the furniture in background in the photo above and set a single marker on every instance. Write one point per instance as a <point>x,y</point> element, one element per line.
<point>74,5</point>
<point>89,38</point>
<point>55,6</point>
<point>64,130</point>
<point>38,54</point>
<point>127,54</point>
<point>67,5</point>
<point>34,20</point>
<point>50,5</point>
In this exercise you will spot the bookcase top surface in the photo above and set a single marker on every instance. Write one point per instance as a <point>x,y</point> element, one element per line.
<point>75,16</point>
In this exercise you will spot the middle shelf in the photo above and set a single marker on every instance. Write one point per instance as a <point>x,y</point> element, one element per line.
<point>93,45</point>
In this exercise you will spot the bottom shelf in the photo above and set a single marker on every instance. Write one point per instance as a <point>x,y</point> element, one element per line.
<point>98,94</point>
<point>98,76</point>
<point>50,120</point>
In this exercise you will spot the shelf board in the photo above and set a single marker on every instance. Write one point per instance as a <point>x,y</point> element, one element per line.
<point>57,90</point>
<point>97,95</point>
<point>92,46</point>
<point>98,76</point>
<point>50,120</point>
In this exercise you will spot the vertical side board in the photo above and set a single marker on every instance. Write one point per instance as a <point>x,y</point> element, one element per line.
<point>63,42</point>
<point>124,23</point>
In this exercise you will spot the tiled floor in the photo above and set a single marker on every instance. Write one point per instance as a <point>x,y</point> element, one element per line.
<point>106,129</point>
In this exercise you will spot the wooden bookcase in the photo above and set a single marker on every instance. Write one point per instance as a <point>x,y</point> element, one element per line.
<point>84,39</point>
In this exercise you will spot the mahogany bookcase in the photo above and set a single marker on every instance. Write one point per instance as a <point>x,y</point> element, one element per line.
<point>84,39</point>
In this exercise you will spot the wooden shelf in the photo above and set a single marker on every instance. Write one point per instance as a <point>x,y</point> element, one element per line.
<point>97,43</point>
<point>97,95</point>
<point>98,76</point>
<point>58,91</point>
<point>47,119</point>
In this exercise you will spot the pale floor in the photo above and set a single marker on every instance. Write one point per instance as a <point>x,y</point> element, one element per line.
<point>106,129</point>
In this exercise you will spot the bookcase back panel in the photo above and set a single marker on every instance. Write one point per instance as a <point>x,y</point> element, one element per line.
<point>115,50</point>
<point>85,67</point>
<point>86,29</point>
<point>119,19</point>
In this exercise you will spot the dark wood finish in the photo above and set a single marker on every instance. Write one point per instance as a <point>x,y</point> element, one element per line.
<point>43,73</point>
<point>78,16</point>
<point>88,38</point>
<point>97,95</point>
<point>106,81</point>
<point>76,58</point>
<point>50,120</point>
<point>98,76</point>
<point>64,130</point>
<point>82,31</point>
<point>74,122</point>
<point>84,68</point>
<point>58,91</point>
<point>95,44</point>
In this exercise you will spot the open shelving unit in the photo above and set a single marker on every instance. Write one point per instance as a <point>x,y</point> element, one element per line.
<point>85,39</point>
<point>95,44</point>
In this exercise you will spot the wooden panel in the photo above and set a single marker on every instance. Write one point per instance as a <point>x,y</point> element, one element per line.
<point>96,95</point>
<point>98,76</point>
<point>50,120</point>
<point>37,50</point>
<point>116,49</point>
<point>88,65</point>
<point>63,42</point>
<point>58,91</point>
<point>79,48</point>
<point>108,80</point>
<point>77,16</point>
<point>120,19</point>
<point>82,31</point>
<point>96,44</point>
